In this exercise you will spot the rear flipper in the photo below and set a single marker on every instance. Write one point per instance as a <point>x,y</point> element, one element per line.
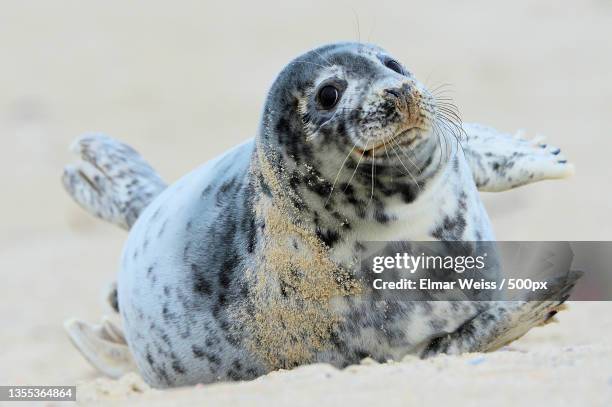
<point>501,161</point>
<point>501,323</point>
<point>112,182</point>
<point>103,345</point>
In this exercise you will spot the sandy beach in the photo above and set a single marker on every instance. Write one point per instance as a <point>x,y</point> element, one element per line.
<point>182,83</point>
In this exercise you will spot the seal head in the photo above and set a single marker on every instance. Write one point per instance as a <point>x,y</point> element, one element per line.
<point>345,128</point>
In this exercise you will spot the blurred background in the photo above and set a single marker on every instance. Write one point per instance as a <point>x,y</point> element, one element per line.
<point>184,81</point>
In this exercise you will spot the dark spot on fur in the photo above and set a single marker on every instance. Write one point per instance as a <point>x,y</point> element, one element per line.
<point>198,352</point>
<point>201,284</point>
<point>206,190</point>
<point>150,359</point>
<point>380,216</point>
<point>178,367</point>
<point>329,237</point>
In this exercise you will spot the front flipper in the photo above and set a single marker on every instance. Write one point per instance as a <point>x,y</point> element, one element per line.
<point>501,161</point>
<point>502,322</point>
<point>495,327</point>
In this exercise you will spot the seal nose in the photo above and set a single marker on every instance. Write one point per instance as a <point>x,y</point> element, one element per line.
<point>401,96</point>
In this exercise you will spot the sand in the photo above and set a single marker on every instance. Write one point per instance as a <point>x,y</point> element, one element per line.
<point>182,83</point>
<point>551,366</point>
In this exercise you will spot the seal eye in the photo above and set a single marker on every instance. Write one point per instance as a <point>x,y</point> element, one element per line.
<point>328,97</point>
<point>394,66</point>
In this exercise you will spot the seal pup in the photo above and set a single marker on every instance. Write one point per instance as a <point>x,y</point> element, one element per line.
<point>247,264</point>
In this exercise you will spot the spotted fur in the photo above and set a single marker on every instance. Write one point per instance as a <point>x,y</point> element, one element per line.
<point>112,181</point>
<point>501,161</point>
<point>249,263</point>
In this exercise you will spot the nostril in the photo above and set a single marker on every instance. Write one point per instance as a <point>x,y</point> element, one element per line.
<point>400,97</point>
<point>394,92</point>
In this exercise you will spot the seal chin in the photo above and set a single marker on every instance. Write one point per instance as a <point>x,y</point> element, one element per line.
<point>382,148</point>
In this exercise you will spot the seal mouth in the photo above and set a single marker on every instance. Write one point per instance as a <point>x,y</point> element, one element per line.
<point>402,139</point>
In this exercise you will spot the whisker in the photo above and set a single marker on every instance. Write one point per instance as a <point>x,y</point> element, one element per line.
<point>409,173</point>
<point>372,28</point>
<point>449,117</point>
<point>389,158</point>
<point>308,62</point>
<point>357,22</point>
<point>446,147</point>
<point>451,113</point>
<point>329,64</point>
<point>456,126</point>
<point>439,136</point>
<point>373,176</point>
<point>442,98</point>
<point>446,86</point>
<point>386,151</point>
<point>338,174</point>
<point>406,155</point>
<point>455,129</point>
<point>357,166</point>
<point>443,85</point>
<point>314,134</point>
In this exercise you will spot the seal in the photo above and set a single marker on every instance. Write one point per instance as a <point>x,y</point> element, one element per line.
<point>248,263</point>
